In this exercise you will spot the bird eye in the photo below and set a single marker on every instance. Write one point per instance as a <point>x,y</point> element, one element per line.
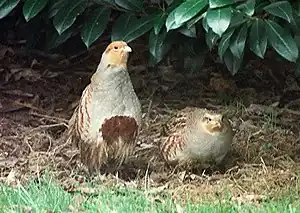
<point>207,119</point>
<point>115,47</point>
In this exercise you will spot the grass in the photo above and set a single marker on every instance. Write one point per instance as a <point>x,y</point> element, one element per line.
<point>46,195</point>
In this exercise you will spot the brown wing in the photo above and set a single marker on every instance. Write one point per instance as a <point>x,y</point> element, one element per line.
<point>177,121</point>
<point>80,120</point>
<point>172,147</point>
<point>174,131</point>
<point>93,151</point>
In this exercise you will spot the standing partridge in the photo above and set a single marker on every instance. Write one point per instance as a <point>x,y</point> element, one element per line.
<point>196,136</point>
<point>107,119</point>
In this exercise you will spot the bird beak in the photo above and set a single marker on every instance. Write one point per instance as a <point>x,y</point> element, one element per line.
<point>127,49</point>
<point>218,125</point>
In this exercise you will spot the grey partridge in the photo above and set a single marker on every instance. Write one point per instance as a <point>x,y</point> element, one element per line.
<point>107,120</point>
<point>196,137</point>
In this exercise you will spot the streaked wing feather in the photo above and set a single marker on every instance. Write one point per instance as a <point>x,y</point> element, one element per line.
<point>174,130</point>
<point>172,146</point>
<point>177,121</point>
<point>80,120</point>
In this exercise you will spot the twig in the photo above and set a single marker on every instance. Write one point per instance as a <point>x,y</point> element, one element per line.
<point>27,105</point>
<point>49,126</point>
<point>65,121</point>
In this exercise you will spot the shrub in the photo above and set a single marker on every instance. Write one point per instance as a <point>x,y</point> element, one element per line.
<point>230,26</point>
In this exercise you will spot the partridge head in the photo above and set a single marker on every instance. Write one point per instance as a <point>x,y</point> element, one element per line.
<point>196,136</point>
<point>107,119</point>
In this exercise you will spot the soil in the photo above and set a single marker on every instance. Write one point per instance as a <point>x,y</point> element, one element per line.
<point>39,92</point>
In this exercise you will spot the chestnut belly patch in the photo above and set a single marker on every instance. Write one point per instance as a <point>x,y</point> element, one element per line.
<point>116,127</point>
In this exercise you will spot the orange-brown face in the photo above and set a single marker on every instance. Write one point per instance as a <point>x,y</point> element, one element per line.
<point>117,53</point>
<point>213,123</point>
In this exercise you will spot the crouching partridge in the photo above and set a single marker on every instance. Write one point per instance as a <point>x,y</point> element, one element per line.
<point>107,119</point>
<point>196,137</point>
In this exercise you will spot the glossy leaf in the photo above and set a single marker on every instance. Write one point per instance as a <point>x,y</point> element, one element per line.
<point>211,38</point>
<point>258,38</point>
<point>160,44</point>
<point>159,23</point>
<point>67,15</point>
<point>204,24</point>
<point>54,39</point>
<point>238,41</point>
<point>195,20</point>
<point>184,12</point>
<point>188,10</point>
<point>7,6</point>
<point>32,7</point>
<point>282,9</point>
<point>189,32</point>
<point>220,3</point>
<point>232,63</point>
<point>55,6</point>
<point>224,43</point>
<point>248,7</point>
<point>133,5</point>
<point>121,25</point>
<point>237,19</point>
<point>219,19</point>
<point>95,25</point>
<point>128,27</point>
<point>281,40</point>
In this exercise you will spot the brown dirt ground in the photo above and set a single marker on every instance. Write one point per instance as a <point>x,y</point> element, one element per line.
<point>38,95</point>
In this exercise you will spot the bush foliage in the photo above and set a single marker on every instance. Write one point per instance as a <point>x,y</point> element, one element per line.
<point>230,26</point>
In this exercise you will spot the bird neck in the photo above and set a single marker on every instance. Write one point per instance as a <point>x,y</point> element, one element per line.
<point>111,79</point>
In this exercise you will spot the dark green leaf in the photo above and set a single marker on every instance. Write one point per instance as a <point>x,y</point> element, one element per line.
<point>160,44</point>
<point>233,63</point>
<point>211,38</point>
<point>95,25</point>
<point>32,7</point>
<point>188,10</point>
<point>204,24</point>
<point>238,41</point>
<point>159,23</point>
<point>219,3</point>
<point>54,39</point>
<point>55,7</point>
<point>258,38</point>
<point>184,12</point>
<point>130,28</point>
<point>122,23</point>
<point>282,9</point>
<point>6,6</point>
<point>133,5</point>
<point>219,19</point>
<point>189,32</point>
<point>247,7</point>
<point>224,43</point>
<point>281,41</point>
<point>169,1</point>
<point>237,19</point>
<point>111,2</point>
<point>66,16</point>
<point>170,22</point>
<point>194,20</point>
